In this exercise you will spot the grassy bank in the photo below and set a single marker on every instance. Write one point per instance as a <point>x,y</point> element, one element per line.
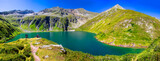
<point>7,30</point>
<point>15,51</point>
<point>21,50</point>
<point>124,28</point>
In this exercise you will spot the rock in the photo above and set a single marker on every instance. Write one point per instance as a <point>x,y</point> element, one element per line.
<point>49,48</point>
<point>37,43</point>
<point>63,51</point>
<point>44,46</point>
<point>38,38</point>
<point>45,57</point>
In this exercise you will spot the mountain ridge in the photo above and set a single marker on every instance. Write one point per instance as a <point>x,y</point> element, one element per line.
<point>59,19</point>
<point>125,28</point>
<point>63,12</point>
<point>16,12</point>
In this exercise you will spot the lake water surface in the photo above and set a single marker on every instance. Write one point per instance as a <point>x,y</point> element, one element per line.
<point>80,41</point>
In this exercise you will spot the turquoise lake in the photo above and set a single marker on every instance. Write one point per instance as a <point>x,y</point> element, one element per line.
<point>80,41</point>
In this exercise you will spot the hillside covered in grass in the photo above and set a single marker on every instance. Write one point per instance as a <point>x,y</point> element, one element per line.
<point>16,51</point>
<point>21,50</point>
<point>152,53</point>
<point>48,23</point>
<point>126,28</point>
<point>7,31</point>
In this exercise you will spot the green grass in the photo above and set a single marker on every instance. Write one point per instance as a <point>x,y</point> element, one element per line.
<point>7,30</point>
<point>13,19</point>
<point>44,22</point>
<point>152,53</point>
<point>113,28</point>
<point>55,53</point>
<point>20,50</point>
<point>15,51</point>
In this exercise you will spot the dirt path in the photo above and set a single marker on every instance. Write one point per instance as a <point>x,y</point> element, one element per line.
<point>34,50</point>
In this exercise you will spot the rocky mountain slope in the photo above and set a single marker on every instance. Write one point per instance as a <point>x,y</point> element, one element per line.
<point>6,30</point>
<point>56,19</point>
<point>51,19</point>
<point>16,12</point>
<point>126,28</point>
<point>57,11</point>
<point>15,16</point>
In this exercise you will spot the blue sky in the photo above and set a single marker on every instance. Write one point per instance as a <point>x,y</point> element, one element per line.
<point>150,7</point>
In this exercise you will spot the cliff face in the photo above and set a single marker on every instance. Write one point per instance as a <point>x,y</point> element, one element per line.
<point>46,23</point>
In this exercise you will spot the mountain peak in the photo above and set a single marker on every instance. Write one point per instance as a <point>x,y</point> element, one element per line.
<point>56,7</point>
<point>117,6</point>
<point>81,8</point>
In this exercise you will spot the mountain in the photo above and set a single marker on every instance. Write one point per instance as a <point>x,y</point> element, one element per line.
<point>56,19</point>
<point>120,27</point>
<point>14,16</point>
<point>51,19</point>
<point>7,30</point>
<point>16,12</point>
<point>63,12</point>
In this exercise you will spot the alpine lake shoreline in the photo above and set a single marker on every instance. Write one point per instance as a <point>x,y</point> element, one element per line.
<point>124,46</point>
<point>73,53</point>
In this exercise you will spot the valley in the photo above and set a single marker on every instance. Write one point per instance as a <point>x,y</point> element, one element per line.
<point>117,34</point>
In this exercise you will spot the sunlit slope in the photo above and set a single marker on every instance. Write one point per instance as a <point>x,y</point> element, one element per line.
<point>47,23</point>
<point>124,27</point>
<point>6,30</point>
<point>152,53</point>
